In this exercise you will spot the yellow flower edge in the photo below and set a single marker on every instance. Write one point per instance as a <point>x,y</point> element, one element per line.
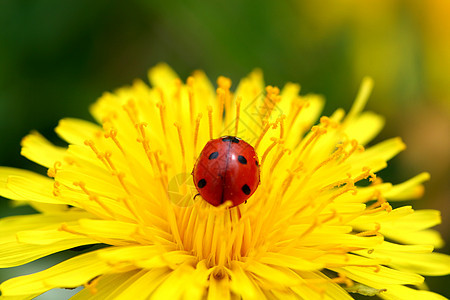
<point>320,225</point>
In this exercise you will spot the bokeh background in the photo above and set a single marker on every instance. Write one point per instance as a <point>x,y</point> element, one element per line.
<point>57,57</point>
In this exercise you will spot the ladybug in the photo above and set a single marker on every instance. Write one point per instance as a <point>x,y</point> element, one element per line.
<point>227,169</point>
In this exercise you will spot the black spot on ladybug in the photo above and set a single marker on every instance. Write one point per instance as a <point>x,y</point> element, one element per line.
<point>242,160</point>
<point>201,183</point>
<point>246,189</point>
<point>232,139</point>
<point>213,155</point>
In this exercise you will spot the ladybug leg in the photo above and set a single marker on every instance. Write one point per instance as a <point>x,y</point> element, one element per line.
<point>245,202</point>
<point>196,195</point>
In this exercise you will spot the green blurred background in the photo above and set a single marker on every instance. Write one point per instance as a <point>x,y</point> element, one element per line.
<point>57,57</point>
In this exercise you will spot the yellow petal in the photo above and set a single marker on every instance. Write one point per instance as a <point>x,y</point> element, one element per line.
<point>250,91</point>
<point>242,283</point>
<point>365,222</point>
<point>162,76</point>
<point>38,149</point>
<point>306,292</point>
<point>130,253</point>
<point>108,286</point>
<point>289,93</point>
<point>349,240</point>
<point>76,131</point>
<point>196,289</point>
<point>405,225</point>
<point>283,260</point>
<point>141,285</point>
<point>420,219</point>
<point>120,231</point>
<point>425,237</point>
<point>277,276</point>
<point>105,107</point>
<point>365,127</point>
<point>171,259</point>
<point>174,285</point>
<point>379,275</point>
<point>108,208</point>
<point>364,193</point>
<point>372,157</point>
<point>361,99</point>
<point>33,189</point>
<point>9,226</point>
<point>337,260</point>
<point>219,288</point>
<point>332,289</point>
<point>15,253</point>
<point>400,292</point>
<point>335,291</point>
<point>282,294</point>
<point>46,237</point>
<point>431,264</point>
<point>392,247</point>
<point>101,183</point>
<point>312,107</point>
<point>6,172</point>
<point>203,86</point>
<point>70,273</point>
<point>108,228</point>
<point>410,189</point>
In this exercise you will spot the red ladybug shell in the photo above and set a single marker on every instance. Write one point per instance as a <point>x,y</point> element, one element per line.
<point>227,169</point>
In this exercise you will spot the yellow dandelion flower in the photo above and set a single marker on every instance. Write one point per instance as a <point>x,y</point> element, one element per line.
<point>319,226</point>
